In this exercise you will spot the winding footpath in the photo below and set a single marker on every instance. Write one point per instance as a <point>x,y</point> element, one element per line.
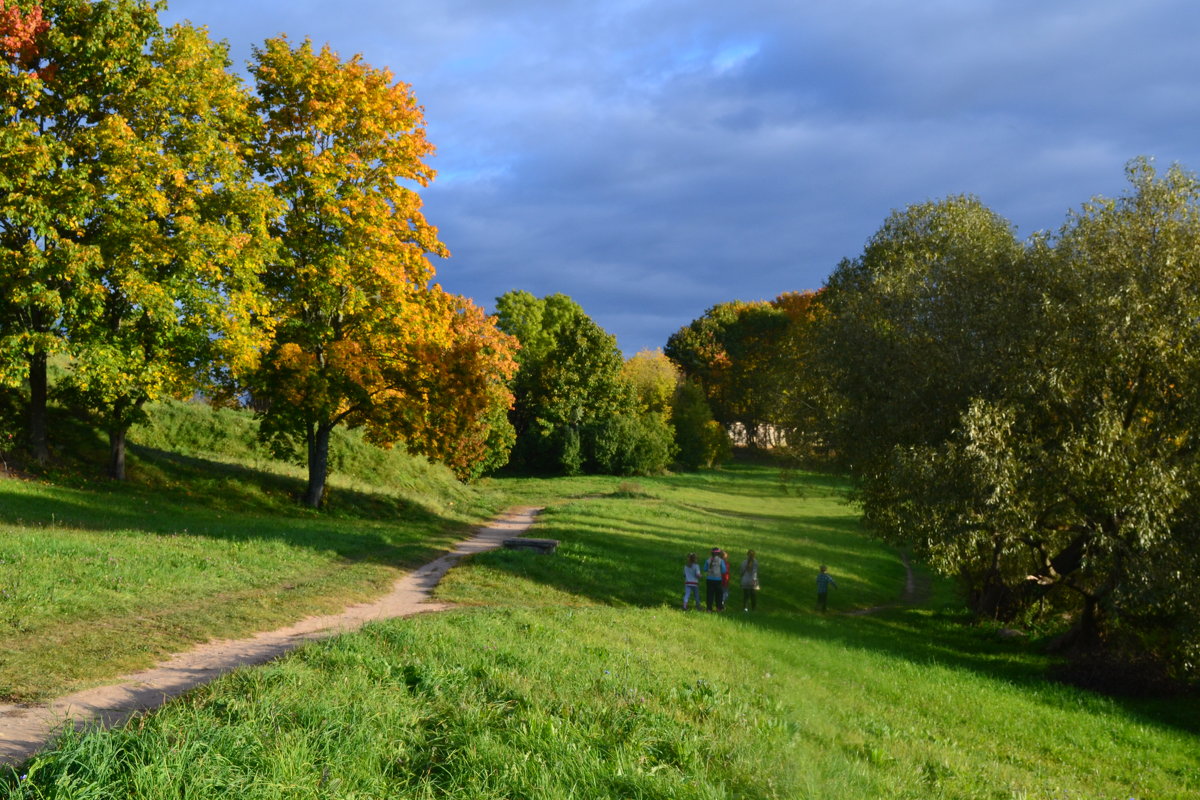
<point>915,592</point>
<point>26,729</point>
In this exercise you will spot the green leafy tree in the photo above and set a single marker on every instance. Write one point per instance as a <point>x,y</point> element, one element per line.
<point>574,410</point>
<point>700,440</point>
<point>634,443</point>
<point>181,236</point>
<point>917,332</point>
<point>1025,415</point>
<point>67,66</point>
<point>131,232</point>
<point>1100,423</point>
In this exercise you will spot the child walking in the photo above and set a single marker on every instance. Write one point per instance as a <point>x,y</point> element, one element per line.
<point>691,582</point>
<point>750,582</point>
<point>824,581</point>
<point>714,568</point>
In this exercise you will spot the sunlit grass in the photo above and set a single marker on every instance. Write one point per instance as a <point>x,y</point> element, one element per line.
<point>574,676</point>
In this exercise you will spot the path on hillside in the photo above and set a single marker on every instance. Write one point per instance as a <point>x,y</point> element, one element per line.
<point>915,591</point>
<point>26,729</point>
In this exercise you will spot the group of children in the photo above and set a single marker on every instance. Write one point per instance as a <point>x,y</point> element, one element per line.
<point>715,574</point>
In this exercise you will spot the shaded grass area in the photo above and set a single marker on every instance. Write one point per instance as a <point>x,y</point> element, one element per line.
<point>579,679</point>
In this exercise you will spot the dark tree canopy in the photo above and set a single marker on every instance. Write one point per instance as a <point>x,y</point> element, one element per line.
<point>1024,413</point>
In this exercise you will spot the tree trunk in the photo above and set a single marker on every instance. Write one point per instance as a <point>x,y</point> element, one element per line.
<point>318,465</point>
<point>39,447</point>
<point>989,596</point>
<point>1089,623</point>
<point>116,449</point>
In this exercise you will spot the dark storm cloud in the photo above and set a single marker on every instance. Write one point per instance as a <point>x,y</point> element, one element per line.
<point>651,158</point>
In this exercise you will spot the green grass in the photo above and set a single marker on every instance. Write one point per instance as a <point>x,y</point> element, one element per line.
<point>98,578</point>
<point>575,676</point>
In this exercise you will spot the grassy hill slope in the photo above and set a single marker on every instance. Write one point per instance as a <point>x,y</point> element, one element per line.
<point>575,675</point>
<point>204,540</point>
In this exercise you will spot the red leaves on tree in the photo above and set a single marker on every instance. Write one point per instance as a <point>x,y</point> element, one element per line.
<point>19,32</point>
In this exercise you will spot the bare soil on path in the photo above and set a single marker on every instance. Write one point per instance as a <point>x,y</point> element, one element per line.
<point>26,729</point>
<point>916,591</point>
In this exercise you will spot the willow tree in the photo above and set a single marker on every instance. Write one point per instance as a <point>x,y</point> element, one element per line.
<point>1099,451</point>
<point>924,323</point>
<point>1026,416</point>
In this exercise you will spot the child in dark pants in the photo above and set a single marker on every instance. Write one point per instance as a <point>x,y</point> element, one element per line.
<point>714,569</point>
<point>824,581</point>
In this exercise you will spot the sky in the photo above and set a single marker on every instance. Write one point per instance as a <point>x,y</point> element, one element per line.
<point>652,158</point>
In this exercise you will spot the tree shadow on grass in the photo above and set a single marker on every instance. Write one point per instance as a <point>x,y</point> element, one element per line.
<point>750,480</point>
<point>638,563</point>
<point>946,638</point>
<point>203,497</point>
<point>603,558</point>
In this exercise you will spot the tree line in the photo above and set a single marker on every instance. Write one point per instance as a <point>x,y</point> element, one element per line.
<point>580,406</point>
<point>167,230</point>
<point>1021,413</point>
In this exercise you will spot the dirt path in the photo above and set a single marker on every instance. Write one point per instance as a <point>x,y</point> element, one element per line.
<point>25,729</point>
<point>915,592</point>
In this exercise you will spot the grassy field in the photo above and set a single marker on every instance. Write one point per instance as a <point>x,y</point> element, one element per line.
<point>576,675</point>
<point>97,578</point>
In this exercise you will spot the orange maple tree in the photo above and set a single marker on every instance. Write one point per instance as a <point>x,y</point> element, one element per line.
<point>361,336</point>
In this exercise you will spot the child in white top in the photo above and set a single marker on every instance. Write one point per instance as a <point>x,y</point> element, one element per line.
<point>691,582</point>
<point>750,582</point>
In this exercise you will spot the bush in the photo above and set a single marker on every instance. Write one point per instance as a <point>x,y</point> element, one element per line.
<point>700,440</point>
<point>633,444</point>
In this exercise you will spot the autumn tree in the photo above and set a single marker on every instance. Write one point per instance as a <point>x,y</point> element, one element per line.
<point>698,349</point>
<point>459,368</point>
<point>750,358</point>
<point>360,334</point>
<point>654,378</point>
<point>132,234</point>
<point>799,410</point>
